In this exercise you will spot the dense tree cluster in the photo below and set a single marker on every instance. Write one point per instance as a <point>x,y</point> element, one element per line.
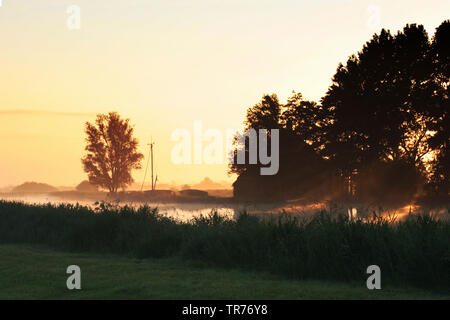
<point>380,133</point>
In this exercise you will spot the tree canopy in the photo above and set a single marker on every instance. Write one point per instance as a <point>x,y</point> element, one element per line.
<point>381,128</point>
<point>111,152</point>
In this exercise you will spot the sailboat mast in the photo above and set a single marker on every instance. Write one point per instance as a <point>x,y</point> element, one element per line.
<point>146,167</point>
<point>150,154</point>
<point>151,151</point>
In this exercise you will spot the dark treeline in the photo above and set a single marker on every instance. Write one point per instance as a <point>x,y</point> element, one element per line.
<point>380,133</point>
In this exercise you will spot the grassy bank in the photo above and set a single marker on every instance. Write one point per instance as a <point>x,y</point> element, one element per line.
<point>38,273</point>
<point>414,252</point>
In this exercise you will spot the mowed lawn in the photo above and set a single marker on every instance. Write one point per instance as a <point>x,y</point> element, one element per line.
<point>39,273</point>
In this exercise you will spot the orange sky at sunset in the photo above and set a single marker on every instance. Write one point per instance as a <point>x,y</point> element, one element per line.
<point>165,64</point>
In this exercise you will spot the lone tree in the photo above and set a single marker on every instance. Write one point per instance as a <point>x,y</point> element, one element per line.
<point>111,152</point>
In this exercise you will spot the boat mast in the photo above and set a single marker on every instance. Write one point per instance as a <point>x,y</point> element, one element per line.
<point>151,151</point>
<point>150,156</point>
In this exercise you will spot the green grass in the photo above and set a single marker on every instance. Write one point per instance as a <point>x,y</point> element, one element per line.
<point>329,247</point>
<point>40,273</point>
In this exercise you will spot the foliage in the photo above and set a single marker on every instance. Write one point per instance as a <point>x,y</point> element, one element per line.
<point>111,152</point>
<point>413,252</point>
<point>386,109</point>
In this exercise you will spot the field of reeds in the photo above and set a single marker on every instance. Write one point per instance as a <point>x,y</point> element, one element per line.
<point>414,252</point>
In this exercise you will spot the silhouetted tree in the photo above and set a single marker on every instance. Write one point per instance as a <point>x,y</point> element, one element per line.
<point>306,119</point>
<point>381,101</point>
<point>302,172</point>
<point>111,152</point>
<point>440,177</point>
<point>263,115</point>
<point>382,104</point>
<point>380,133</point>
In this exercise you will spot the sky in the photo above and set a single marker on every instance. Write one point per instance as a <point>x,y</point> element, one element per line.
<point>166,64</point>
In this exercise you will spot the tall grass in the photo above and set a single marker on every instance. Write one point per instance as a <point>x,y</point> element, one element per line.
<point>413,252</point>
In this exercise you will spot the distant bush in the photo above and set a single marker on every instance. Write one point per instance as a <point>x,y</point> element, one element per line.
<point>34,187</point>
<point>413,252</point>
<point>85,186</point>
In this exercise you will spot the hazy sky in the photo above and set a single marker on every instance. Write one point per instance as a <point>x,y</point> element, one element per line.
<point>165,64</point>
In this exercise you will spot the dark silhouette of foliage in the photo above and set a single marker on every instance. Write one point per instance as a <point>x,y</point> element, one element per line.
<point>111,152</point>
<point>381,131</point>
<point>86,186</point>
<point>440,180</point>
<point>381,102</point>
<point>302,171</point>
<point>265,114</point>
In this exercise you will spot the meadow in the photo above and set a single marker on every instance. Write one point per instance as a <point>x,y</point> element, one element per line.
<point>36,272</point>
<point>330,247</point>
